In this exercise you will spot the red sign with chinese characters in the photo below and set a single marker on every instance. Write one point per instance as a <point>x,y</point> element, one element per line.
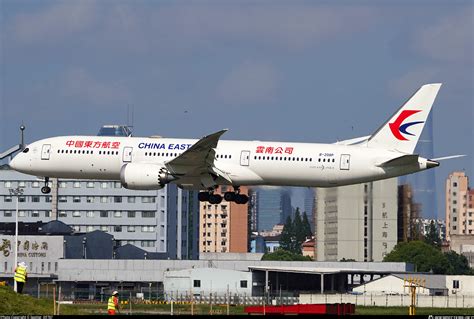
<point>274,150</point>
<point>93,144</point>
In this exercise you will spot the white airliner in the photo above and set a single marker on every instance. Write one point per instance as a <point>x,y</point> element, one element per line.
<point>151,163</point>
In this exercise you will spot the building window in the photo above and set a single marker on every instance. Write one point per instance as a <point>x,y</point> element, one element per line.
<point>35,213</point>
<point>47,213</point>
<point>243,284</point>
<point>455,184</point>
<point>117,199</point>
<point>455,284</point>
<point>35,184</point>
<point>103,199</point>
<point>148,199</point>
<point>7,199</point>
<point>117,185</point>
<point>148,229</point>
<point>103,184</point>
<point>90,185</point>
<point>7,184</point>
<point>21,184</point>
<point>76,213</point>
<point>104,214</point>
<point>7,213</point>
<point>148,243</point>
<point>148,214</point>
<point>89,229</point>
<point>131,229</point>
<point>90,214</point>
<point>48,199</point>
<point>62,184</point>
<point>62,199</point>
<point>117,214</point>
<point>131,199</point>
<point>77,184</point>
<point>35,199</point>
<point>117,228</point>
<point>197,283</point>
<point>104,228</point>
<point>22,199</point>
<point>89,199</point>
<point>76,199</point>
<point>131,214</point>
<point>21,213</point>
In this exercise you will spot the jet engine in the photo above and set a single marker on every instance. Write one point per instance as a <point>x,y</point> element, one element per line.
<point>140,176</point>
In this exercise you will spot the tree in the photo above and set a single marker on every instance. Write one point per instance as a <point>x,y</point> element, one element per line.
<point>425,257</point>
<point>298,229</point>
<point>285,255</point>
<point>287,235</point>
<point>432,237</point>
<point>306,226</point>
<point>459,264</point>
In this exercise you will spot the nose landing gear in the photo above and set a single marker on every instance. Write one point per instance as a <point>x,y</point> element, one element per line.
<point>46,189</point>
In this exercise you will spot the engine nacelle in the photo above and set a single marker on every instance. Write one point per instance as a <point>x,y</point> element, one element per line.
<point>140,176</point>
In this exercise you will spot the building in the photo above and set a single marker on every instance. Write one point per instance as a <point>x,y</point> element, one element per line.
<point>431,285</point>
<point>408,212</point>
<point>459,218</point>
<point>310,205</point>
<point>161,221</point>
<point>224,227</point>
<point>206,281</point>
<point>270,206</point>
<point>357,221</point>
<point>423,225</point>
<point>423,185</point>
<point>308,248</point>
<point>464,245</point>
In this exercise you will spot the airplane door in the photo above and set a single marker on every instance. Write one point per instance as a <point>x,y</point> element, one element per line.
<point>127,154</point>
<point>345,162</point>
<point>245,158</point>
<point>45,151</point>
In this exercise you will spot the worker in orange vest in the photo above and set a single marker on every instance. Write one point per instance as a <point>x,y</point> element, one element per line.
<point>113,304</point>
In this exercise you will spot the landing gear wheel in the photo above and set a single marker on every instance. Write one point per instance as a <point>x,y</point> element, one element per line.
<point>215,199</point>
<point>45,189</point>
<point>203,196</point>
<point>241,199</point>
<point>230,196</point>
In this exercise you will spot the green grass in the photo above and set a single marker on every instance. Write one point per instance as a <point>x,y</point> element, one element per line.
<point>12,303</point>
<point>362,310</point>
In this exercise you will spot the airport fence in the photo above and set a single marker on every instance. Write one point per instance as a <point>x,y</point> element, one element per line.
<point>384,300</point>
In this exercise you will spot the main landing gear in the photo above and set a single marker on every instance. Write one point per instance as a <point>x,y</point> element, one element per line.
<point>46,189</point>
<point>235,196</point>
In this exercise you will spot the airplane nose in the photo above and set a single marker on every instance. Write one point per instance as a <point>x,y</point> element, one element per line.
<point>13,163</point>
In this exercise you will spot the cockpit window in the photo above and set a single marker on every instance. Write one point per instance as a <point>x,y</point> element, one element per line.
<point>26,150</point>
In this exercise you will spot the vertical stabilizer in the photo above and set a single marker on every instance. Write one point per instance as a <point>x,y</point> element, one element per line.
<point>402,131</point>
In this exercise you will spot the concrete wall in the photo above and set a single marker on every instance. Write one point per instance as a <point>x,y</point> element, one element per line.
<point>211,280</point>
<point>453,301</point>
<point>466,285</point>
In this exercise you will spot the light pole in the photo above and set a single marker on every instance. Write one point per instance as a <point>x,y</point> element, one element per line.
<point>16,192</point>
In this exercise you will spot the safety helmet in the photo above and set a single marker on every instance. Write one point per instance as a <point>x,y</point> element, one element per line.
<point>115,293</point>
<point>23,264</point>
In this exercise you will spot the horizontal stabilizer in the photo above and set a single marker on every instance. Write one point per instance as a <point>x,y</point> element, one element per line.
<point>401,161</point>
<point>353,141</point>
<point>447,157</point>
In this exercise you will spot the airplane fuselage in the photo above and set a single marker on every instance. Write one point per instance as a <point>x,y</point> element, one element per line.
<point>244,162</point>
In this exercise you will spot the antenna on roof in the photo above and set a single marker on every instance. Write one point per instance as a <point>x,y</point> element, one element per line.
<point>130,111</point>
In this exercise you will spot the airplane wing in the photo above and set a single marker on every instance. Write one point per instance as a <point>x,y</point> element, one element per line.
<point>353,141</point>
<point>198,159</point>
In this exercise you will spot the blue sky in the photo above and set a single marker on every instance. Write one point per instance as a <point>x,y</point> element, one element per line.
<point>304,71</point>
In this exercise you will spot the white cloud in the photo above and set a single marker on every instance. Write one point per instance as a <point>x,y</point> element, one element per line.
<point>449,39</point>
<point>56,22</point>
<point>249,83</point>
